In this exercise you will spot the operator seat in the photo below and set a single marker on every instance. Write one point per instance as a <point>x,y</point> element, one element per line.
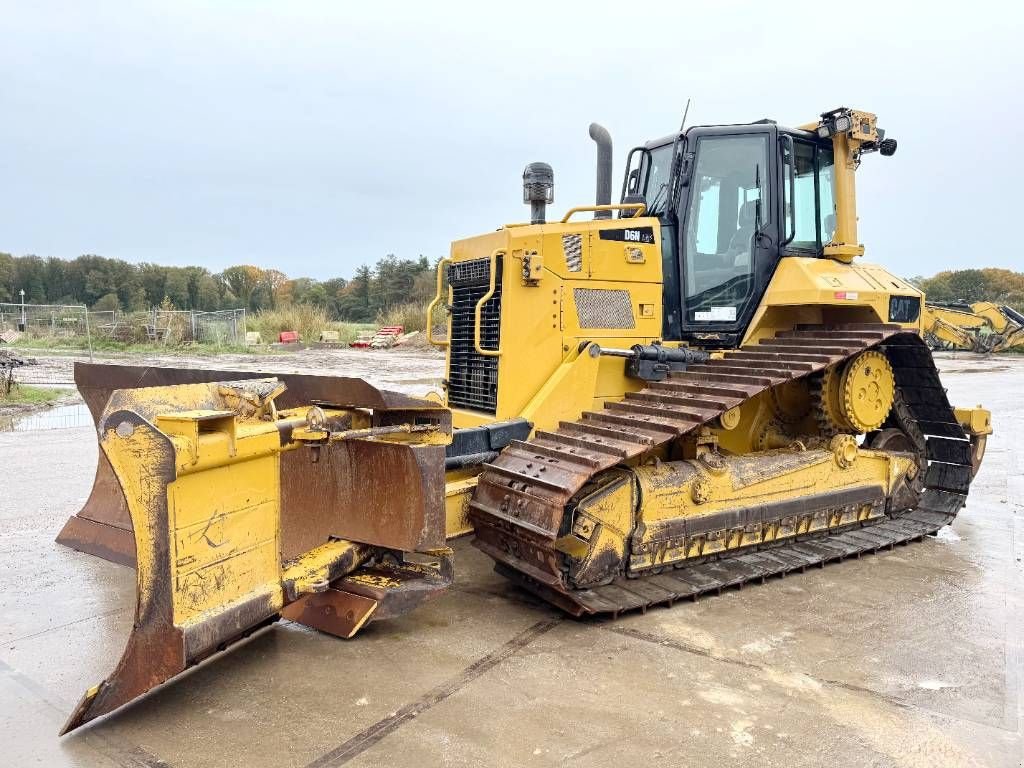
<point>739,243</point>
<point>828,229</point>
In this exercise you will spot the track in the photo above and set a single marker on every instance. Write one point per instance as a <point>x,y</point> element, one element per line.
<point>518,508</point>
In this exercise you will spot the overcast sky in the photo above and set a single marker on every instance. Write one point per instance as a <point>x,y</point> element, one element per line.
<point>316,136</point>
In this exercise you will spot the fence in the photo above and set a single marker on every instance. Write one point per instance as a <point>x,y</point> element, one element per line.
<point>171,327</point>
<point>52,320</point>
<point>160,326</point>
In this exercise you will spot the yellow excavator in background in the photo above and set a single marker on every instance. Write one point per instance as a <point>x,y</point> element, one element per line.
<point>696,388</point>
<point>979,327</point>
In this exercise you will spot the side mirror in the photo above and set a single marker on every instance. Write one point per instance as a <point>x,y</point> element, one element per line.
<point>685,169</point>
<point>633,182</point>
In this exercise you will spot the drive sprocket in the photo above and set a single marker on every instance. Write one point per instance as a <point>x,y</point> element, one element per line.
<point>855,397</point>
<point>826,400</point>
<point>868,388</point>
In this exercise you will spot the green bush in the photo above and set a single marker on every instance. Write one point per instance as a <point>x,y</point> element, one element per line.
<point>310,321</point>
<point>307,319</point>
<point>412,316</point>
<point>22,394</point>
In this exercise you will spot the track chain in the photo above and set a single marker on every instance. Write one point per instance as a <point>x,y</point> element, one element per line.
<point>520,502</point>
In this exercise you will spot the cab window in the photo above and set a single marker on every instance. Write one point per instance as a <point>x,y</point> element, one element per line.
<point>810,217</point>
<point>826,200</point>
<point>728,202</point>
<point>657,167</point>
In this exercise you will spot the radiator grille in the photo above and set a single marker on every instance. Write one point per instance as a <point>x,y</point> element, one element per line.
<point>472,377</point>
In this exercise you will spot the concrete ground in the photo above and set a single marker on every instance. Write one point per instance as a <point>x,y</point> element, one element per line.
<point>910,658</point>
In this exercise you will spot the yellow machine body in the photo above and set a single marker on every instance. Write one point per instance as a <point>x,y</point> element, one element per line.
<point>538,378</point>
<point>1001,323</point>
<point>550,377</point>
<point>242,511</point>
<point>550,308</point>
<point>568,291</point>
<point>664,513</point>
<point>979,327</point>
<point>600,464</point>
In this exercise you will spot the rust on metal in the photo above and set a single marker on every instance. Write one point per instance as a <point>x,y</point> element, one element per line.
<point>339,527</point>
<point>103,526</point>
<point>334,611</point>
<point>372,593</point>
<point>155,650</point>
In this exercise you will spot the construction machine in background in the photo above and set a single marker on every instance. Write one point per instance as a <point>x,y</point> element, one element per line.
<point>983,326</point>
<point>699,387</point>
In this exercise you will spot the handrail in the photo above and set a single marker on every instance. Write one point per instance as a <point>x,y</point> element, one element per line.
<point>638,207</point>
<point>787,140</point>
<point>430,309</point>
<point>479,308</point>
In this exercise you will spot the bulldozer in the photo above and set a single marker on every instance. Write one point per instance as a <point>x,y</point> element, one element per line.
<point>697,387</point>
<point>983,326</point>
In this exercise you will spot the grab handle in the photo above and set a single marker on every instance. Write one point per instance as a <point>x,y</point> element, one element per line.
<point>638,207</point>
<point>441,266</point>
<point>479,308</point>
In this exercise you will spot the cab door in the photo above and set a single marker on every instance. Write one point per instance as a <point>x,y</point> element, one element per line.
<point>728,234</point>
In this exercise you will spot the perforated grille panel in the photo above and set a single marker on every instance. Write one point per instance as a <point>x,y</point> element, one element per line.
<point>475,271</point>
<point>472,377</point>
<point>603,308</point>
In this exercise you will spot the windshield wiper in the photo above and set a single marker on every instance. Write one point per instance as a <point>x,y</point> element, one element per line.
<point>652,208</point>
<point>733,288</point>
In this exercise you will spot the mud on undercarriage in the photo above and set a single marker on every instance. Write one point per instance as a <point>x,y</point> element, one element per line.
<point>526,499</point>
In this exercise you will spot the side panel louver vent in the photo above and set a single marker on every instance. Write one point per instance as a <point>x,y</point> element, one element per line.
<point>572,247</point>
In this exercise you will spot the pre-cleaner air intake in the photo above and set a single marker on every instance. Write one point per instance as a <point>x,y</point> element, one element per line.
<point>538,190</point>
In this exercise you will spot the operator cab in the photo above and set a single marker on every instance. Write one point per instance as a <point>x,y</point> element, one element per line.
<point>735,200</point>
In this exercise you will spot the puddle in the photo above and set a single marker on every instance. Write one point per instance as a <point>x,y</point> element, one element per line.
<point>956,371</point>
<point>61,417</point>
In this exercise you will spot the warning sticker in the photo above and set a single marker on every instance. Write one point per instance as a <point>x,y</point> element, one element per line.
<point>716,315</point>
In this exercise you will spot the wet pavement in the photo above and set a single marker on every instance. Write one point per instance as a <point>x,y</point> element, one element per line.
<point>58,417</point>
<point>908,658</point>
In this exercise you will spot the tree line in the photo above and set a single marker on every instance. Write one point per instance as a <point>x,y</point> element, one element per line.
<point>1002,286</point>
<point>111,284</point>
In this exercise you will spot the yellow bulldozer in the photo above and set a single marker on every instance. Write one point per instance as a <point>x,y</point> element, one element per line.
<point>983,326</point>
<point>697,387</point>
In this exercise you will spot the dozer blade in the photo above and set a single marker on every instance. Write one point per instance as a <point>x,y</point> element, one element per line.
<point>244,503</point>
<point>103,526</point>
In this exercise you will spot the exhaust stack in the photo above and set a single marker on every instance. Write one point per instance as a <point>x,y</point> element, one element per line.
<point>603,140</point>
